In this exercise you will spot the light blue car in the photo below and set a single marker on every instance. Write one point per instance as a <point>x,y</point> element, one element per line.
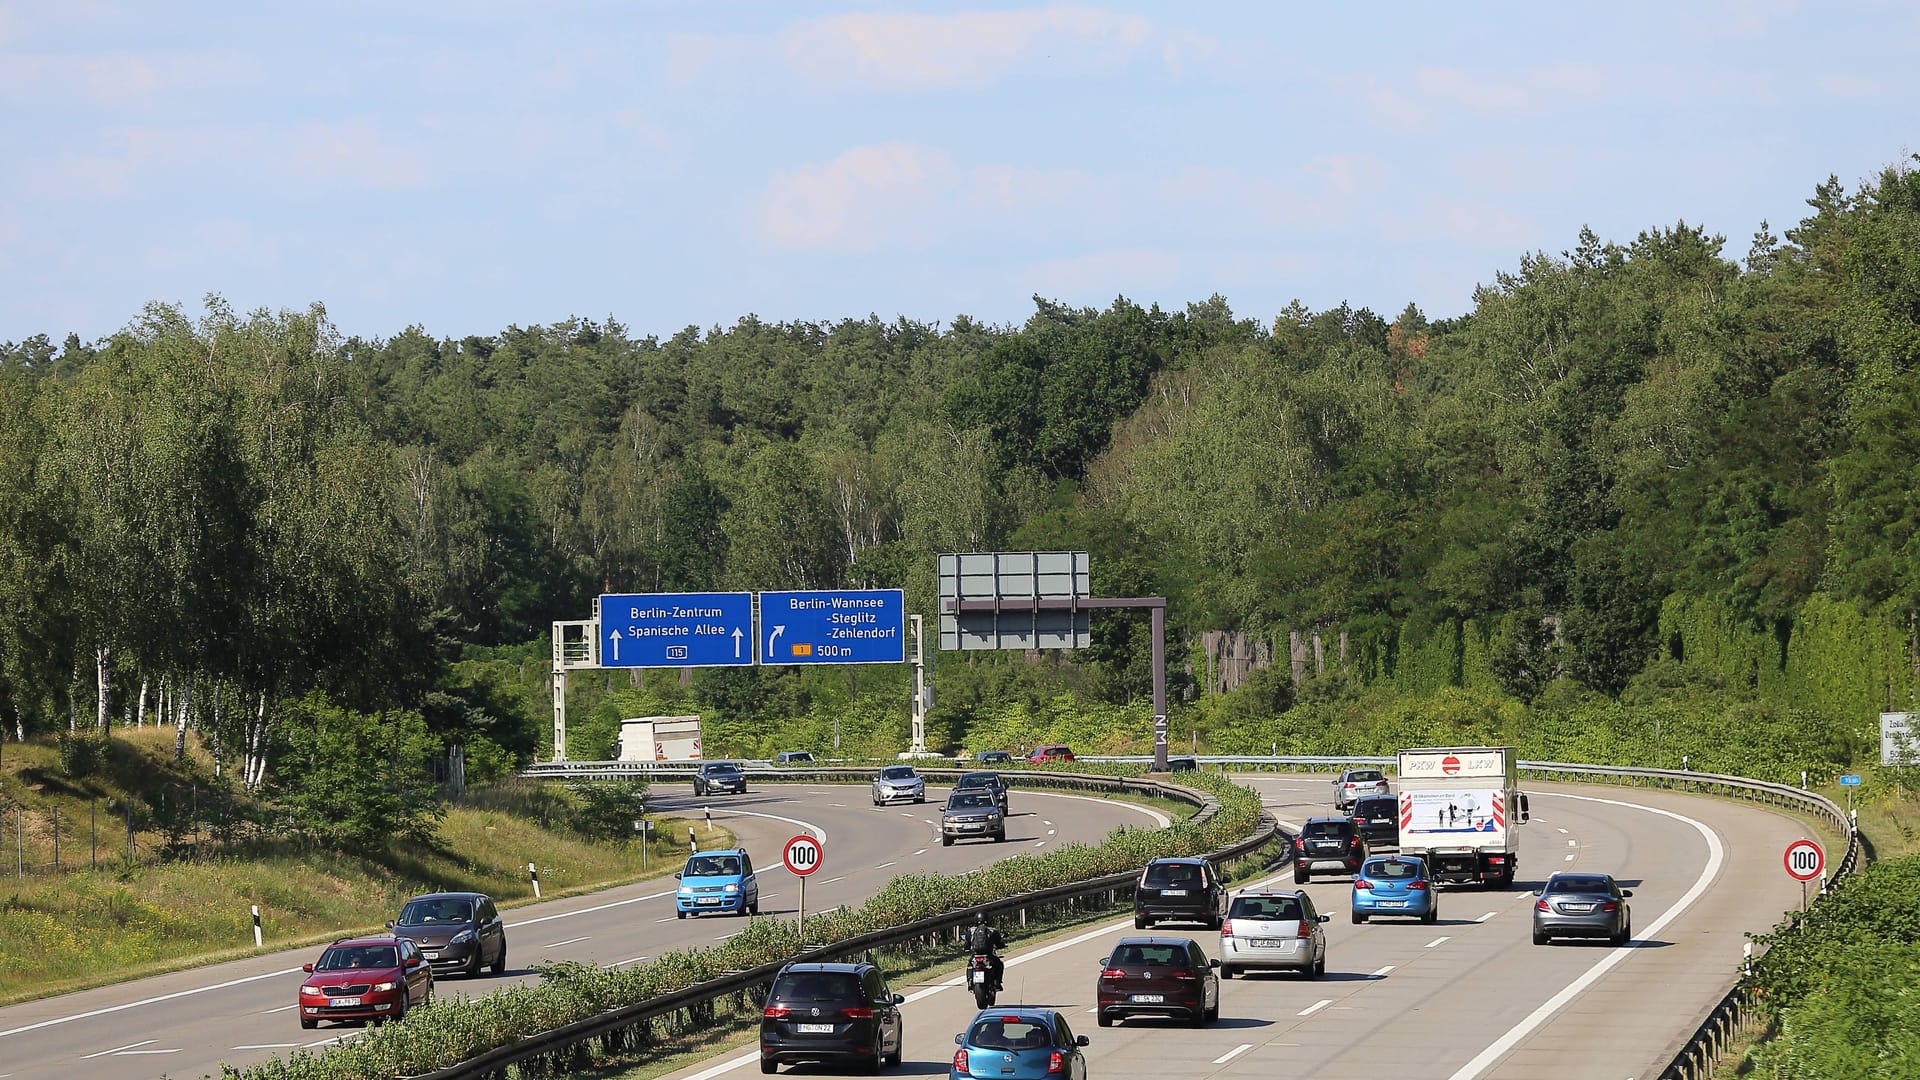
<point>1395,885</point>
<point>714,881</point>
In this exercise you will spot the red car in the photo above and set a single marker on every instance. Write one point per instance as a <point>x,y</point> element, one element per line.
<point>380,977</point>
<point>1043,754</point>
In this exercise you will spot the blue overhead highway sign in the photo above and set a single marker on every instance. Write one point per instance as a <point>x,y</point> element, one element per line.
<point>833,626</point>
<point>676,630</point>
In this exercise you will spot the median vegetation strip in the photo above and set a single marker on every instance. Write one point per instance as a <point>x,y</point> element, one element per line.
<point>437,1038</point>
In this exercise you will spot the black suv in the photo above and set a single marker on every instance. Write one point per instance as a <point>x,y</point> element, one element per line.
<point>1188,890</point>
<point>458,932</point>
<point>719,777</point>
<point>1379,818</point>
<point>830,1012</point>
<point>1328,843</point>
<point>991,781</point>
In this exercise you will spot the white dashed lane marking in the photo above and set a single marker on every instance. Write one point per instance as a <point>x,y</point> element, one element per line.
<point>1487,916</point>
<point>1437,941</point>
<point>118,1049</point>
<point>1382,973</point>
<point>1233,1053</point>
<point>1315,1007</point>
<point>569,941</point>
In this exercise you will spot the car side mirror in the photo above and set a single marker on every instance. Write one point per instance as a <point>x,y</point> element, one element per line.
<point>1103,961</point>
<point>676,875</point>
<point>899,999</point>
<point>1213,963</point>
<point>960,1039</point>
<point>1539,892</point>
<point>415,962</point>
<point>389,924</point>
<point>1626,892</point>
<point>1082,1040</point>
<point>307,968</point>
<point>1324,918</point>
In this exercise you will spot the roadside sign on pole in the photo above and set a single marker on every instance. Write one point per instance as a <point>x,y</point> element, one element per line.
<point>803,855</point>
<point>676,630</point>
<point>1850,780</point>
<point>1805,860</point>
<point>834,626</point>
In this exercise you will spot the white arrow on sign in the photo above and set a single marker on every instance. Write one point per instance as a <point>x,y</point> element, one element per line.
<point>615,638</point>
<point>737,635</point>
<point>775,636</point>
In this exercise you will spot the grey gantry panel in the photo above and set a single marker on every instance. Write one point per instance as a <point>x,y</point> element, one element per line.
<point>1020,580</point>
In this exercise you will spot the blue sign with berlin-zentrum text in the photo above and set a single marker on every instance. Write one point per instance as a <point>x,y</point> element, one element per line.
<point>833,626</point>
<point>676,630</point>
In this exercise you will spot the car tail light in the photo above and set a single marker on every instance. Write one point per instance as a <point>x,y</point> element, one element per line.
<point>1353,841</point>
<point>1226,927</point>
<point>1362,883</point>
<point>1359,821</point>
<point>1112,973</point>
<point>1496,859</point>
<point>1300,843</point>
<point>960,1060</point>
<point>1542,906</point>
<point>776,1012</point>
<point>1611,905</point>
<point>1056,1063</point>
<point>1306,929</point>
<point>1417,886</point>
<point>1187,976</point>
<point>858,1012</point>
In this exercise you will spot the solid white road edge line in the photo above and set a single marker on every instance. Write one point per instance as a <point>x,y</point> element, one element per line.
<point>1716,856</point>
<point>146,1001</point>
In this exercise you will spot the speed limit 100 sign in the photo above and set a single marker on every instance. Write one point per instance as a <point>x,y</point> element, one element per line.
<point>803,855</point>
<point>1805,860</point>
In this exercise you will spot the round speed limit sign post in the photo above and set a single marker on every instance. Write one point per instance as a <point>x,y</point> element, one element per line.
<point>803,855</point>
<point>1804,860</point>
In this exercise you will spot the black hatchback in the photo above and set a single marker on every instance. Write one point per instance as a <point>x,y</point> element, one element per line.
<point>1327,843</point>
<point>842,1013</point>
<point>1378,817</point>
<point>1183,890</point>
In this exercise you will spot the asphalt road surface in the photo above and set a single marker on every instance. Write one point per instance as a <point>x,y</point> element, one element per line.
<point>1471,997</point>
<point>185,1024</point>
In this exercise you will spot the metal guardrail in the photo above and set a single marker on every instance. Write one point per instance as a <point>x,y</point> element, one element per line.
<point>1695,1059</point>
<point>497,1062</point>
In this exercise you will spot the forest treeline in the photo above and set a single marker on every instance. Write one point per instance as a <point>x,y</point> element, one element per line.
<point>1632,471</point>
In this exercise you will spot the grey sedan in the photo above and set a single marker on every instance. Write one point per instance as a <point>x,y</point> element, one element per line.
<point>1582,905</point>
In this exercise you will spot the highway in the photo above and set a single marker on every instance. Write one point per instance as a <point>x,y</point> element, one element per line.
<point>186,1023</point>
<point>1471,997</point>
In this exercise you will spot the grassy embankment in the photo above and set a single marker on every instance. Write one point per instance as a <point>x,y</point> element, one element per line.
<point>66,930</point>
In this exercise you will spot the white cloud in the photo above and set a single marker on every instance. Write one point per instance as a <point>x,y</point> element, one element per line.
<point>966,49</point>
<point>867,198</point>
<point>1431,96</point>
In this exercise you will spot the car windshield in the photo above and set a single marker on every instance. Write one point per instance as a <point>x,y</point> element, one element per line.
<point>1364,776</point>
<point>1317,830</point>
<point>977,779</point>
<point>967,800</point>
<point>1377,809</point>
<point>1009,1033</point>
<point>1392,870</point>
<point>897,772</point>
<point>722,767</point>
<point>346,957</point>
<point>817,986</point>
<point>437,911</point>
<point>713,866</point>
<point>1275,908</point>
<point>1175,874</point>
<point>1572,883</point>
<point>1131,955</point>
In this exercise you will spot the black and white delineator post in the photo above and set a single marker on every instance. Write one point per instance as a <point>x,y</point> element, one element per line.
<point>533,873</point>
<point>256,925</point>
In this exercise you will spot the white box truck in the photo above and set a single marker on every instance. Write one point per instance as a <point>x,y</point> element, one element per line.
<point>1460,809</point>
<point>659,738</point>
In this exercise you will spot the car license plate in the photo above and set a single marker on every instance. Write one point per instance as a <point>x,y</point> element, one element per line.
<point>1579,909</point>
<point>338,1002</point>
<point>1173,892</point>
<point>816,1029</point>
<point>1392,903</point>
<point>431,955</point>
<point>1149,999</point>
<point>708,900</point>
<point>1267,943</point>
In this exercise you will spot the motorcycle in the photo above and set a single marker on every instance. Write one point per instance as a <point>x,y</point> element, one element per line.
<point>980,980</point>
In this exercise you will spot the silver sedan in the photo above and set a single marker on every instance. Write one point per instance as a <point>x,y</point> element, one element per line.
<point>1582,905</point>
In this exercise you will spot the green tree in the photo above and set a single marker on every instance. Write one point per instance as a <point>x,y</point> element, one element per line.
<point>351,779</point>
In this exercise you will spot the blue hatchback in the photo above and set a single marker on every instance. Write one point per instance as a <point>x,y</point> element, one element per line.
<point>1019,1043</point>
<point>1395,885</point>
<point>717,881</point>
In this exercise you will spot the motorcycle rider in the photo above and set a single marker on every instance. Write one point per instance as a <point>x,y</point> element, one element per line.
<point>986,941</point>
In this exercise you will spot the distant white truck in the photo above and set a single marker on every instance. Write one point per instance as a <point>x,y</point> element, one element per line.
<point>1460,809</point>
<point>659,738</point>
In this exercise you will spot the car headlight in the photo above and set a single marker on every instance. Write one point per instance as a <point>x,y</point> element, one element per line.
<point>731,888</point>
<point>380,988</point>
<point>461,938</point>
<point>684,891</point>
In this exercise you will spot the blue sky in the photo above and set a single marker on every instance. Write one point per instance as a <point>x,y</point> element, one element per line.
<point>467,166</point>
